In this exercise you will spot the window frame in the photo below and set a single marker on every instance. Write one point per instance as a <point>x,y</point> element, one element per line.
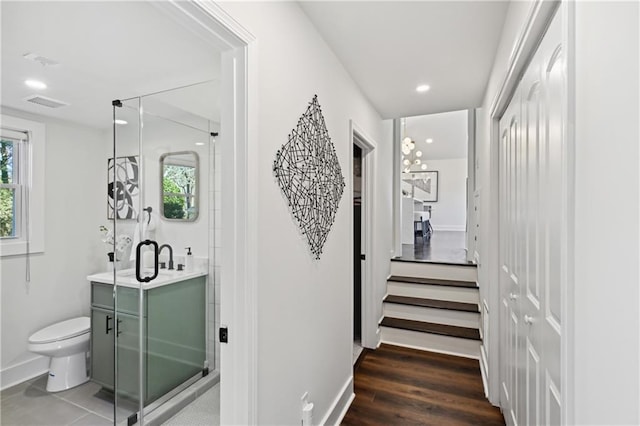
<point>17,183</point>
<point>30,188</point>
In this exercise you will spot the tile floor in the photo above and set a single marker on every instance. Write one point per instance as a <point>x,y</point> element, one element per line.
<point>205,410</point>
<point>30,404</point>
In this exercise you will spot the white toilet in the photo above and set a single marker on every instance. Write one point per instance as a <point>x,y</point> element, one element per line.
<point>67,343</point>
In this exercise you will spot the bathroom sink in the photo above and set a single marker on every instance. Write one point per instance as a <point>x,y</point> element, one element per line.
<point>162,273</point>
<point>127,277</point>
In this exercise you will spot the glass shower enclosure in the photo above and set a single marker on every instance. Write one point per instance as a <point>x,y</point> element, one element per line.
<point>151,321</point>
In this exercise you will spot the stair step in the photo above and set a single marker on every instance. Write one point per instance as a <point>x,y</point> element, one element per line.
<point>434,270</point>
<point>435,262</point>
<point>432,303</point>
<point>431,342</point>
<point>434,315</point>
<point>438,292</point>
<point>428,327</point>
<point>433,281</point>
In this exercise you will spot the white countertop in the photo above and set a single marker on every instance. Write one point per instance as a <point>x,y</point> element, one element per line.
<point>127,277</point>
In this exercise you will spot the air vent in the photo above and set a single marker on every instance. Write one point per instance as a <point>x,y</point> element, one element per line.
<point>44,101</point>
<point>44,61</point>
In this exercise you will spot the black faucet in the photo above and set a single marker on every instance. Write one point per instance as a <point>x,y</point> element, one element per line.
<point>170,254</point>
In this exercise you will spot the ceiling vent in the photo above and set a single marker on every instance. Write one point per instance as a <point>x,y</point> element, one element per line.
<point>44,61</point>
<point>44,101</point>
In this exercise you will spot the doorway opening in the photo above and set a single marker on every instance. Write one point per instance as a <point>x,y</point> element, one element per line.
<point>357,251</point>
<point>365,313</point>
<point>434,187</point>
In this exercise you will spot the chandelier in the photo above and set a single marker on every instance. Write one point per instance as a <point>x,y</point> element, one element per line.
<point>411,157</point>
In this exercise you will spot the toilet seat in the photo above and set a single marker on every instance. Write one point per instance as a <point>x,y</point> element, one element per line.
<point>62,330</point>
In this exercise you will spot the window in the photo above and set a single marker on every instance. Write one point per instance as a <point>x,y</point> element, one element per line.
<point>11,187</point>
<point>21,186</point>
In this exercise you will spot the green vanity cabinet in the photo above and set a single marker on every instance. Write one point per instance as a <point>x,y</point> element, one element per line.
<point>104,327</point>
<point>174,321</point>
<point>102,347</point>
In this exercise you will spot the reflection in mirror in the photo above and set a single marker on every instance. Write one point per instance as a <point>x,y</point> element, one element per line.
<point>179,185</point>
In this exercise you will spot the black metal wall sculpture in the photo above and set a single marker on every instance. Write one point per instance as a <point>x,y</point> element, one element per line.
<point>308,172</point>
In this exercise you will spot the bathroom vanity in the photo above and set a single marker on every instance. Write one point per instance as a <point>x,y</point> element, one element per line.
<point>172,311</point>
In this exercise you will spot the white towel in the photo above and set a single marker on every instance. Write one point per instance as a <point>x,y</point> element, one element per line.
<point>149,226</point>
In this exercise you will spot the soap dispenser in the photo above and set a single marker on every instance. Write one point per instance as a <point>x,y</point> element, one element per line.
<point>188,260</point>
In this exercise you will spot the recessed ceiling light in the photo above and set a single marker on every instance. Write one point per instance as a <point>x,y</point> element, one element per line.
<point>200,143</point>
<point>35,84</point>
<point>121,122</point>
<point>422,88</point>
<point>429,140</point>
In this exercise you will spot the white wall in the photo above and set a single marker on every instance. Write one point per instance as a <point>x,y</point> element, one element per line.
<point>75,206</point>
<point>607,331</point>
<point>305,305</point>
<point>450,212</point>
<point>606,349</point>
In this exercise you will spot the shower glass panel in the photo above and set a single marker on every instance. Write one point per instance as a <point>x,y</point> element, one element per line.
<point>123,325</point>
<point>163,288</point>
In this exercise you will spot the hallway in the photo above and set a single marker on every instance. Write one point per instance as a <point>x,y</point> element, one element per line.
<point>401,386</point>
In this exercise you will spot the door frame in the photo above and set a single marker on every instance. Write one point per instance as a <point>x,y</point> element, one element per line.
<point>539,17</point>
<point>238,138</point>
<point>369,322</point>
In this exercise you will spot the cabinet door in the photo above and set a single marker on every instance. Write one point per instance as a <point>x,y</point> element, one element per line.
<point>102,340</point>
<point>128,356</point>
<point>176,335</point>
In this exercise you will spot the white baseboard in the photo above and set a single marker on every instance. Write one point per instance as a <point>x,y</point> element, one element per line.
<point>340,405</point>
<point>483,371</point>
<point>32,366</point>
<point>461,228</point>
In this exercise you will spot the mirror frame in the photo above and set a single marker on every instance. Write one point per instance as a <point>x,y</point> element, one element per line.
<point>196,193</point>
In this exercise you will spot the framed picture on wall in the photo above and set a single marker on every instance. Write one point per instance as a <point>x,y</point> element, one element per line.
<point>424,185</point>
<point>122,195</point>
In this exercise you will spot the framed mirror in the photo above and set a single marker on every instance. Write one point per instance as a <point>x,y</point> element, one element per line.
<point>179,186</point>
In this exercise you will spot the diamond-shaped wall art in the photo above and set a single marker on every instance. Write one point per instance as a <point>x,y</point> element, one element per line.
<point>308,172</point>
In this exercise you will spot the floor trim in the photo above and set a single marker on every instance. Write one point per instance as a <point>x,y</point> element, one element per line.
<point>341,404</point>
<point>23,371</point>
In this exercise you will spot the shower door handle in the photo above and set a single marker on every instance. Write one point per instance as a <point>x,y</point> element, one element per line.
<point>155,261</point>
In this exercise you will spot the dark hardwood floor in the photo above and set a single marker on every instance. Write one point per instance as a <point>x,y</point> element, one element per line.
<point>401,386</point>
<point>443,247</point>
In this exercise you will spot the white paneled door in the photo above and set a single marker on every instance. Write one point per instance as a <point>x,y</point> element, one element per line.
<point>533,227</point>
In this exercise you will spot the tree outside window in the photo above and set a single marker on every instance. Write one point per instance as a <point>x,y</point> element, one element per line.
<point>178,185</point>
<point>9,188</point>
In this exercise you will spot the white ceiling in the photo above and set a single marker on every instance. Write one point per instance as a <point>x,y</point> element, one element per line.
<point>106,50</point>
<point>390,47</point>
<point>448,131</point>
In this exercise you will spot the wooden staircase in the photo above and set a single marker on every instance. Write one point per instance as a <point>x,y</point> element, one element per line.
<point>432,306</point>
